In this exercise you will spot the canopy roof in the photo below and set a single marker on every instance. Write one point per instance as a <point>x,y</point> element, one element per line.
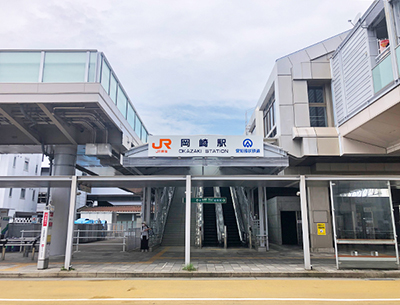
<point>273,162</point>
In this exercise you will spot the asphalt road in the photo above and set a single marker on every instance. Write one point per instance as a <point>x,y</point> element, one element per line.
<point>200,291</point>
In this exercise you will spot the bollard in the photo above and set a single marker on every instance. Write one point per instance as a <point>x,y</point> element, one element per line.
<point>22,238</point>
<point>225,238</point>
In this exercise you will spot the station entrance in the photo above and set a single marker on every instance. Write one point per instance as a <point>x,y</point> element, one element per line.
<point>354,242</point>
<point>239,209</point>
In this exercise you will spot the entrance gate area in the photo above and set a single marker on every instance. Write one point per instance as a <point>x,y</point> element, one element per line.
<point>119,244</point>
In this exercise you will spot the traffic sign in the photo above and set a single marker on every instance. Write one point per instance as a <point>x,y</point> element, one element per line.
<point>209,200</point>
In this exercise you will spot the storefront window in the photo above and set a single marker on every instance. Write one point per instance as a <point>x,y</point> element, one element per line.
<point>364,232</point>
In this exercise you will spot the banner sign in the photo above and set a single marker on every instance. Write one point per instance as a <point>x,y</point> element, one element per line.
<point>206,146</point>
<point>45,239</point>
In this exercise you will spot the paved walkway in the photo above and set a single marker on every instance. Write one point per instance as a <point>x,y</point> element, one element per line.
<point>103,261</point>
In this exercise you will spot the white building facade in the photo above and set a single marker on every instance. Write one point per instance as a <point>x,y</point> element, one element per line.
<point>19,199</point>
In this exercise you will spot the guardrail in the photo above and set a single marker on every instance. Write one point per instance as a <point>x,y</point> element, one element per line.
<point>33,233</point>
<point>129,239</point>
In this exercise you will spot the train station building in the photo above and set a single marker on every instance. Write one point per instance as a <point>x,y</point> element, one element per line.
<point>317,166</point>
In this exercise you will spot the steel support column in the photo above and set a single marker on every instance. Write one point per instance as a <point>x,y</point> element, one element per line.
<point>266,218</point>
<point>148,205</point>
<point>261,216</point>
<point>64,165</point>
<point>187,219</point>
<point>71,220</point>
<point>304,223</point>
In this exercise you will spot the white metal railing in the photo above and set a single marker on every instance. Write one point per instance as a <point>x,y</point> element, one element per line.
<point>33,233</point>
<point>128,240</point>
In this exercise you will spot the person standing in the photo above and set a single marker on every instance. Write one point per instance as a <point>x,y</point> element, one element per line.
<point>144,238</point>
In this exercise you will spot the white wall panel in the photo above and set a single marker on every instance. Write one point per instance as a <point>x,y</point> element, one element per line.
<point>352,76</point>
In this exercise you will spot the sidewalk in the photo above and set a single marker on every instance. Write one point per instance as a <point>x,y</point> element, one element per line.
<point>94,261</point>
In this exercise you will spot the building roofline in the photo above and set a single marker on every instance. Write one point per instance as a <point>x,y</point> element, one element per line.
<point>305,48</point>
<point>356,26</point>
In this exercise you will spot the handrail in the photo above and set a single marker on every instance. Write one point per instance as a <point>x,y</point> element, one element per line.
<point>160,218</point>
<point>219,215</point>
<point>244,205</point>
<point>238,214</point>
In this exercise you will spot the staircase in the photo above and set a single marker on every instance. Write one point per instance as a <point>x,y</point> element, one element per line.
<point>174,232</point>
<point>210,221</point>
<point>230,219</point>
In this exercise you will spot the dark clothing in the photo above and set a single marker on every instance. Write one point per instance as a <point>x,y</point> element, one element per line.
<point>144,243</point>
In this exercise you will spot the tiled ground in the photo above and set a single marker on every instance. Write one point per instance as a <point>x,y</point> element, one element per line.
<point>94,260</point>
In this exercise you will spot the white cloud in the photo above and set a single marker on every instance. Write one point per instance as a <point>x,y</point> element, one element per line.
<point>181,54</point>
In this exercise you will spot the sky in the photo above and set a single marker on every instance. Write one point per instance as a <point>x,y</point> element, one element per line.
<point>189,66</point>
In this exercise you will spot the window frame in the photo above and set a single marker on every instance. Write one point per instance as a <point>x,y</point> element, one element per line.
<point>269,118</point>
<point>22,194</point>
<point>316,104</point>
<point>26,165</point>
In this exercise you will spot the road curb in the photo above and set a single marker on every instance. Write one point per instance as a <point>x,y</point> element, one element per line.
<point>196,274</point>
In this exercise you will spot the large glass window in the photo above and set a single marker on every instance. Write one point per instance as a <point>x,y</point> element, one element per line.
<point>364,232</point>
<point>113,88</point>
<point>105,76</point>
<point>144,135</point>
<point>138,126</point>
<point>317,106</point>
<point>92,67</point>
<point>269,118</point>
<point>121,101</point>
<point>19,67</point>
<point>131,116</point>
<point>362,210</point>
<point>64,67</point>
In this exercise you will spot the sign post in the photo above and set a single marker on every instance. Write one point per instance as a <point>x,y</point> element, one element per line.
<point>45,239</point>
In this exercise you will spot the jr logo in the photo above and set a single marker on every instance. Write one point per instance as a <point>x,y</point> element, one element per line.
<point>166,142</point>
<point>247,143</point>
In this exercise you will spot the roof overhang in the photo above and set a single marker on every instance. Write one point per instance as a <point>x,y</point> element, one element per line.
<point>378,124</point>
<point>273,161</point>
<point>36,114</point>
<point>180,181</point>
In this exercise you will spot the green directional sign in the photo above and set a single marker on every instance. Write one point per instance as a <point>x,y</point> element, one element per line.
<point>209,200</point>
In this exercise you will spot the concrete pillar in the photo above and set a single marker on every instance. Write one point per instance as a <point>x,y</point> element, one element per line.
<point>304,223</point>
<point>319,213</point>
<point>64,165</point>
<point>187,218</point>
